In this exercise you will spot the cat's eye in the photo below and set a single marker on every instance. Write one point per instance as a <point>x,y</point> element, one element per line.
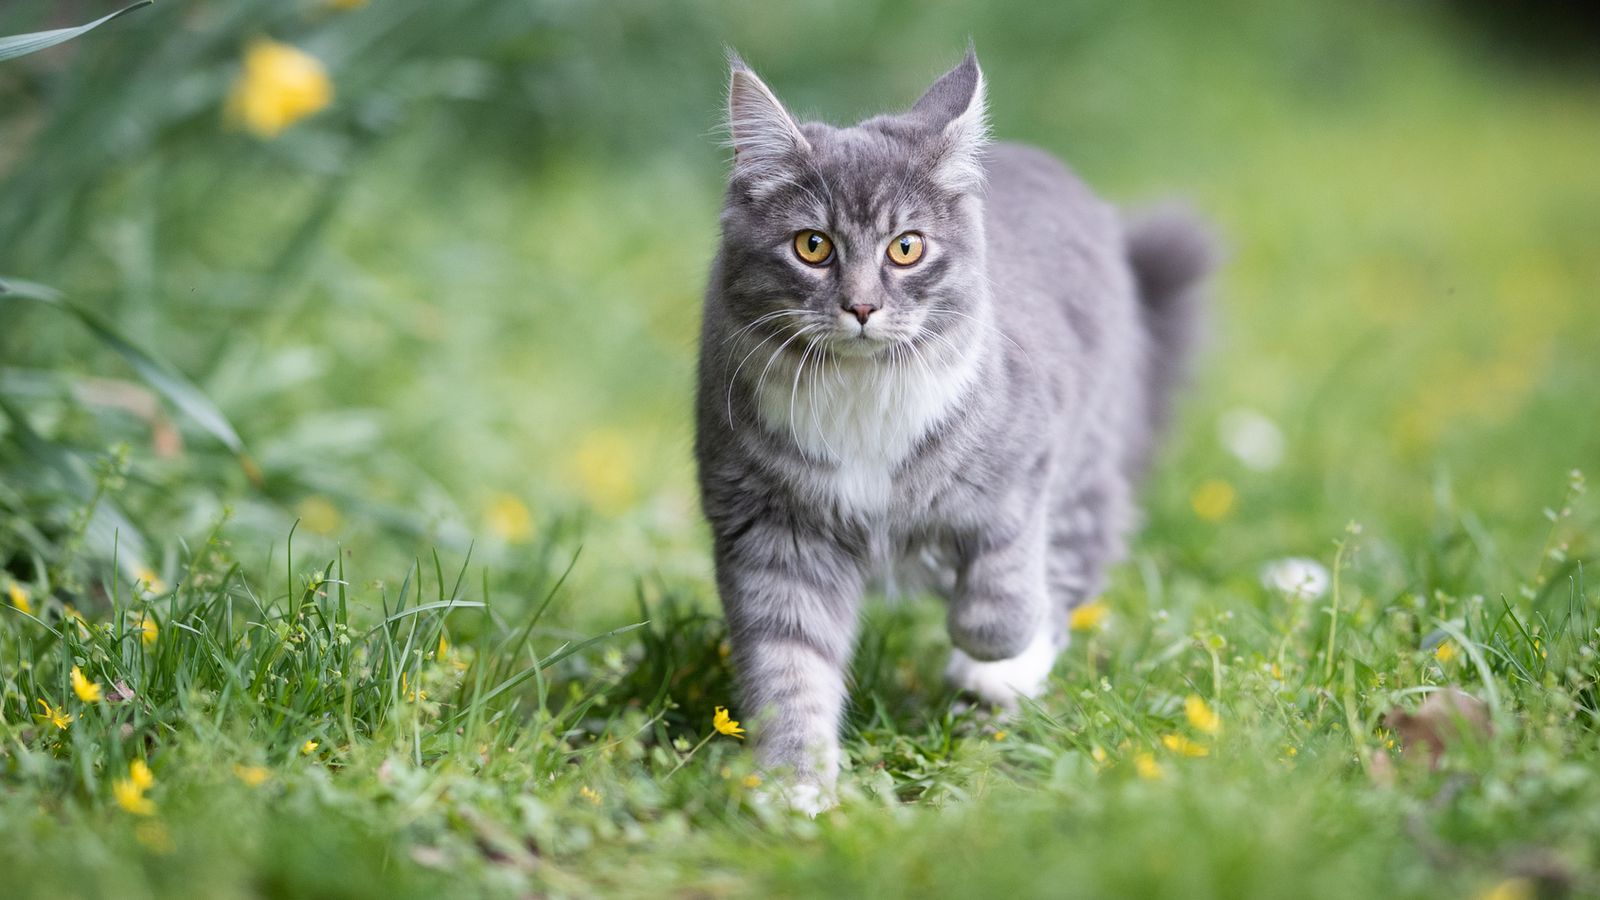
<point>906,249</point>
<point>813,247</point>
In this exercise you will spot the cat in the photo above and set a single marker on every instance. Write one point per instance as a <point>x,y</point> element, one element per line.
<point>928,357</point>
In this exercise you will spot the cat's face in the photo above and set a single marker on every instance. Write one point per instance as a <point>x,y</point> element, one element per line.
<point>855,240</point>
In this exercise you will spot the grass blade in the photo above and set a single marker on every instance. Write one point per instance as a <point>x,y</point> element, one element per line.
<point>23,44</point>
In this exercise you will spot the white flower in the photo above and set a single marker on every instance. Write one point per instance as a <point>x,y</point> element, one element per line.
<point>1252,437</point>
<point>1296,577</point>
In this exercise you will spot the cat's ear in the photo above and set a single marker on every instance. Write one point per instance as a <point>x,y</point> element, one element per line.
<point>766,141</point>
<point>954,108</point>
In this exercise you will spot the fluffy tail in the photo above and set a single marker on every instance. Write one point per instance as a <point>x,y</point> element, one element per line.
<point>1171,251</point>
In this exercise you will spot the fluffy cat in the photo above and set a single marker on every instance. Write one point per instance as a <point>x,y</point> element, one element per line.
<point>923,356</point>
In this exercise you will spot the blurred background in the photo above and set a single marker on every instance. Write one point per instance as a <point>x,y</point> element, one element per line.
<point>438,265</point>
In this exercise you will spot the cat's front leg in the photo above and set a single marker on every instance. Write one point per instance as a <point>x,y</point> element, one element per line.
<point>1005,641</point>
<point>791,597</point>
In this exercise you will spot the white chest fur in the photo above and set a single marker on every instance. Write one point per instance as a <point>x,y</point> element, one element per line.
<point>860,418</point>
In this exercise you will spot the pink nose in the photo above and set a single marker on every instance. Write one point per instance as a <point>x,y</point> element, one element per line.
<point>863,311</point>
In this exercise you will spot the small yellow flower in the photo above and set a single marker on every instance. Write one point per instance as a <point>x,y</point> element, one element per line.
<point>148,580</point>
<point>131,797</point>
<point>308,748</point>
<point>589,794</point>
<point>149,631</point>
<point>752,780</point>
<point>139,773</point>
<point>1098,754</point>
<point>1145,764</point>
<point>1182,746</point>
<point>1511,889</point>
<point>252,776</point>
<point>1200,714</point>
<point>412,696</point>
<point>1213,500</point>
<point>155,838</point>
<point>1291,751</point>
<point>278,86</point>
<point>603,465</point>
<point>19,598</point>
<point>87,691</point>
<point>318,514</point>
<point>55,715</point>
<point>999,735</point>
<point>1445,652</point>
<point>726,725</point>
<point>509,519</point>
<point>1088,616</point>
<point>1277,673</point>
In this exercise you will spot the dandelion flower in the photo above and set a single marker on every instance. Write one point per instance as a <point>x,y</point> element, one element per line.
<point>999,735</point>
<point>1445,652</point>
<point>1200,714</point>
<point>725,724</point>
<point>589,794</point>
<point>1213,500</point>
<point>1145,764</point>
<point>19,598</point>
<point>139,773</point>
<point>1088,616</point>
<point>1511,889</point>
<point>278,86</point>
<point>1296,577</point>
<point>87,691</point>
<point>149,631</point>
<point>252,776</point>
<point>131,797</point>
<point>55,715</point>
<point>308,748</point>
<point>148,580</point>
<point>509,519</point>
<point>752,780</point>
<point>603,464</point>
<point>1182,746</point>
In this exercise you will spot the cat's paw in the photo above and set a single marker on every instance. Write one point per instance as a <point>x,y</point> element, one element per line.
<point>1004,682</point>
<point>804,796</point>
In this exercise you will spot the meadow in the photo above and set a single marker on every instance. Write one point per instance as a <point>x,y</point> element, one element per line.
<point>348,538</point>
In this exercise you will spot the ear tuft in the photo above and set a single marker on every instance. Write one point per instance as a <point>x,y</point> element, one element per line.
<point>955,108</point>
<point>766,140</point>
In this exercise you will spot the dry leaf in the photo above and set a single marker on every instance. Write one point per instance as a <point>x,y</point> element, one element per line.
<point>1446,717</point>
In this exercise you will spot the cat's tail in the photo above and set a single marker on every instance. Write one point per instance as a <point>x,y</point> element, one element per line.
<point>1171,251</point>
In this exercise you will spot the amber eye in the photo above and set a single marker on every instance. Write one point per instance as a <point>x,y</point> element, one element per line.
<point>906,249</point>
<point>813,247</point>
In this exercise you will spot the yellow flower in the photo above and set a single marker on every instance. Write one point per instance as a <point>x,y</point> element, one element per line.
<point>155,838</point>
<point>148,630</point>
<point>589,794</point>
<point>1445,652</point>
<point>318,514</point>
<point>252,776</point>
<point>752,780</point>
<point>1201,715</point>
<point>55,715</point>
<point>308,748</point>
<point>1510,889</point>
<point>139,773</point>
<point>603,465</point>
<point>19,598</point>
<point>148,580</point>
<point>131,797</point>
<point>509,520</point>
<point>412,696</point>
<point>1147,767</point>
<point>1213,500</point>
<point>1088,616</point>
<point>87,690</point>
<point>999,735</point>
<point>726,725</point>
<point>1182,746</point>
<point>1098,754</point>
<point>278,86</point>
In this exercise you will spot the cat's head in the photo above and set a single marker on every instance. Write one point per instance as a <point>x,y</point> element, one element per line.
<point>860,238</point>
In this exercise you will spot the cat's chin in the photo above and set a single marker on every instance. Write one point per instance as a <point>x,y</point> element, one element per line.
<point>858,347</point>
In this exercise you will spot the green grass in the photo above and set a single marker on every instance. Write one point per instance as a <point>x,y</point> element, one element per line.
<point>452,320</point>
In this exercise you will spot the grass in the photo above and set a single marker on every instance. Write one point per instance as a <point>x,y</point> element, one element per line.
<point>451,320</point>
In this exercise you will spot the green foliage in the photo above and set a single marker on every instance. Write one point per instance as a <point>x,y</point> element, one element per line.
<point>456,308</point>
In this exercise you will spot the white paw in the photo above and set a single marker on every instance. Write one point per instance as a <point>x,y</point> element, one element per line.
<point>807,797</point>
<point>1004,682</point>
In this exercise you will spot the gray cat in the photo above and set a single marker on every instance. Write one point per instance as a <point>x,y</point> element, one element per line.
<point>925,359</point>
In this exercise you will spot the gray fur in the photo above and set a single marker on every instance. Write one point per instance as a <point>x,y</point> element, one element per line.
<point>982,429</point>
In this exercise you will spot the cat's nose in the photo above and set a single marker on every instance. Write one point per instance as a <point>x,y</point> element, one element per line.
<point>863,311</point>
